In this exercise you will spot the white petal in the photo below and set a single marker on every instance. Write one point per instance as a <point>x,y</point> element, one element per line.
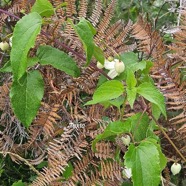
<point>109,65</point>
<point>112,73</point>
<point>116,60</point>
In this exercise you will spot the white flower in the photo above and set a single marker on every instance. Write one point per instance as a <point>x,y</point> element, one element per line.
<point>126,140</point>
<point>4,46</point>
<point>115,67</point>
<point>127,172</point>
<point>175,168</point>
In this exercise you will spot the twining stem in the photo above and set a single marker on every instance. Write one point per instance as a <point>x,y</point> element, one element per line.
<point>170,141</point>
<point>123,107</point>
<point>142,104</point>
<point>10,14</point>
<point>21,159</point>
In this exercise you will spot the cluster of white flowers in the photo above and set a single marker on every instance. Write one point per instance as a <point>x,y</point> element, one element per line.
<point>115,67</point>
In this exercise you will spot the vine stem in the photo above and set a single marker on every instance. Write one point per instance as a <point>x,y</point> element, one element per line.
<point>63,45</point>
<point>22,159</point>
<point>170,141</point>
<point>164,133</point>
<point>10,14</point>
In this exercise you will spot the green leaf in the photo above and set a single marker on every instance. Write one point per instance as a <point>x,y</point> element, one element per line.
<point>140,125</point>
<point>156,112</point>
<point>93,30</point>
<point>43,7</point>
<point>68,171</point>
<point>24,36</point>
<point>145,164</point>
<point>58,59</point>
<point>107,91</point>
<point>99,55</point>
<point>131,96</point>
<point>19,183</point>
<point>113,129</point>
<point>149,64</point>
<point>26,96</point>
<point>131,80</point>
<point>7,67</point>
<point>31,61</point>
<point>117,102</point>
<point>152,94</point>
<point>86,33</point>
<point>129,59</point>
<point>162,157</point>
<point>138,66</point>
<point>42,164</point>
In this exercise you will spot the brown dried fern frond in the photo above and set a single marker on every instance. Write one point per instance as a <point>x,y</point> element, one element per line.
<point>59,11</point>
<point>116,42</point>
<point>87,81</point>
<point>81,168</point>
<point>103,25</point>
<point>4,96</point>
<point>110,170</point>
<point>46,119</point>
<point>83,8</point>
<point>57,159</point>
<point>97,11</point>
<point>70,8</point>
<point>104,150</point>
<point>150,41</point>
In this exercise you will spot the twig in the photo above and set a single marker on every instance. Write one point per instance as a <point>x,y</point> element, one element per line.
<point>21,159</point>
<point>10,14</point>
<point>164,180</point>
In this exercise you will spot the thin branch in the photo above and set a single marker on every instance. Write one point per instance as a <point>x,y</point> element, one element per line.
<point>21,159</point>
<point>10,14</point>
<point>170,141</point>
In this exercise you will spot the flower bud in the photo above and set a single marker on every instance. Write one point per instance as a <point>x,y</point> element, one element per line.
<point>110,58</point>
<point>126,140</point>
<point>175,168</point>
<point>99,65</point>
<point>119,66</point>
<point>4,46</point>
